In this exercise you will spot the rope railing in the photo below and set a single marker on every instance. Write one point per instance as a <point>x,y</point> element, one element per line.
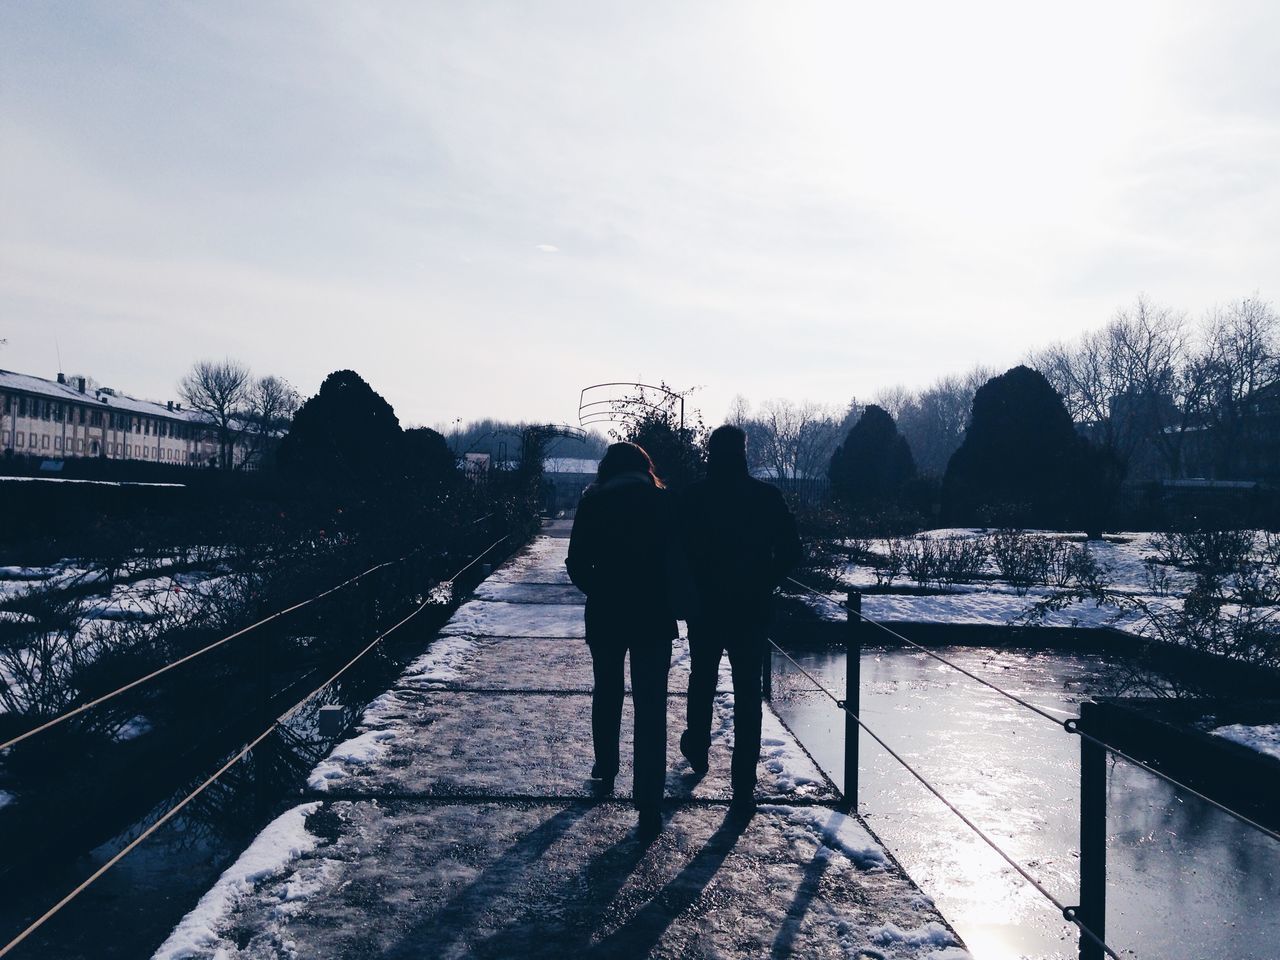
<point>208,648</point>
<point>1071,725</point>
<point>1068,913</point>
<point>244,751</point>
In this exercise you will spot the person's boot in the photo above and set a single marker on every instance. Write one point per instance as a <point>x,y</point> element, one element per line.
<point>697,756</point>
<point>649,826</point>
<point>742,808</point>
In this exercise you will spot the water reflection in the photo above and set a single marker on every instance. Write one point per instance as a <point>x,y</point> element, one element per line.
<point>1184,880</point>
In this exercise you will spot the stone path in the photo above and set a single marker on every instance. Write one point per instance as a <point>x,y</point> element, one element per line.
<point>458,823</point>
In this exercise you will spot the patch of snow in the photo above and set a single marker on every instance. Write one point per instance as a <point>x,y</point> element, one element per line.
<point>835,831</point>
<point>1264,738</point>
<point>283,841</point>
<point>932,934</point>
<point>133,728</point>
<point>483,618</point>
<point>442,663</point>
<point>359,751</point>
<point>782,756</point>
<point>6,798</point>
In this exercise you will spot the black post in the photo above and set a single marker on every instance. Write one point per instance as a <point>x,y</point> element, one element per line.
<point>853,697</point>
<point>1093,836</point>
<point>766,672</point>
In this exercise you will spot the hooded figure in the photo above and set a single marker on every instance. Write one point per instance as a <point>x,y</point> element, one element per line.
<point>618,556</point>
<point>741,542</point>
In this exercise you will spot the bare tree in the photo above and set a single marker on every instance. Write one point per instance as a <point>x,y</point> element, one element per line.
<point>1121,383</point>
<point>797,438</point>
<point>270,404</point>
<point>1241,356</point>
<point>934,420</point>
<point>218,391</point>
<point>892,400</point>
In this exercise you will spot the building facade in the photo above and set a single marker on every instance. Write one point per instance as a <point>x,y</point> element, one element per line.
<point>61,419</point>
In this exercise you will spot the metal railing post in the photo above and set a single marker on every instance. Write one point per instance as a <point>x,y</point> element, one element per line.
<point>1093,836</point>
<point>853,697</point>
<point>766,673</point>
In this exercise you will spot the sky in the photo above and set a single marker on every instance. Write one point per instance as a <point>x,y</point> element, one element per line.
<point>483,207</point>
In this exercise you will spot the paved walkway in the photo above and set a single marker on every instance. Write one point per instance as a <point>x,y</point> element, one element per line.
<point>458,823</point>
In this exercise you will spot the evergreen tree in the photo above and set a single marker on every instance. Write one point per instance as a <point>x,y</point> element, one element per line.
<point>345,434</point>
<point>874,463</point>
<point>1022,461</point>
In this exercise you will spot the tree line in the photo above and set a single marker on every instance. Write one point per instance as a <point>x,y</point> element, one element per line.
<point>1152,395</point>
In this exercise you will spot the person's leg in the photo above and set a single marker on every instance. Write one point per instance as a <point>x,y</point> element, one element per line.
<point>704,669</point>
<point>606,706</point>
<point>650,661</point>
<point>746,658</point>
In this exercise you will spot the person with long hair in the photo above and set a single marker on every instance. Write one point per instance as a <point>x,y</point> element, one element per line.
<point>618,555</point>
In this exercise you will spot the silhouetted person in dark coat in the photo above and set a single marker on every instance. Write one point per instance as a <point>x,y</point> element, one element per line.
<point>741,541</point>
<point>618,554</point>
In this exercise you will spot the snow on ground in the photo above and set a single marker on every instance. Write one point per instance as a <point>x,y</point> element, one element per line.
<point>380,726</point>
<point>283,841</point>
<point>783,756</point>
<point>1264,738</point>
<point>443,663</point>
<point>6,798</point>
<point>133,728</point>
<point>995,602</point>
<point>551,878</point>
<point>835,831</point>
<point>489,619</point>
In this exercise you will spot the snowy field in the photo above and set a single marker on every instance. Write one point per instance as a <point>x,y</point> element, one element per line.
<point>1129,560</point>
<point>161,588</point>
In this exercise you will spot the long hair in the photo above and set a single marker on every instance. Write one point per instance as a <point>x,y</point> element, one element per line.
<point>626,457</point>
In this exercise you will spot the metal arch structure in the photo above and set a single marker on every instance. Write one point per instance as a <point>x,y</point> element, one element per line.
<point>616,407</point>
<point>536,435</point>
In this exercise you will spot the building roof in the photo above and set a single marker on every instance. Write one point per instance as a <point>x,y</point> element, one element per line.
<point>67,392</point>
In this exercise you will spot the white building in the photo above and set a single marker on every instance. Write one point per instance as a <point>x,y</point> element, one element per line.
<point>60,419</point>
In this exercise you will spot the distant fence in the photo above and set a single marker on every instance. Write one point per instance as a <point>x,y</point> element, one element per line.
<point>805,492</point>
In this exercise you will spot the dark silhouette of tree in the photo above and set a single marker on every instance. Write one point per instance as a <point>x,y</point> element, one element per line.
<point>874,463</point>
<point>427,456</point>
<point>345,434</point>
<point>677,454</point>
<point>1022,461</point>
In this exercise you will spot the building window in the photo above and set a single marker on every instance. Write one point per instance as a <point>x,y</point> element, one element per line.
<point>22,438</point>
<point>57,443</point>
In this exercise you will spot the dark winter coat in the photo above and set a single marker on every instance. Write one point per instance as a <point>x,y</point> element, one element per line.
<point>741,541</point>
<point>618,557</point>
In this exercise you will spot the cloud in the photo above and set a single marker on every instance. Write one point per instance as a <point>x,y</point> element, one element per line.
<point>546,248</point>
